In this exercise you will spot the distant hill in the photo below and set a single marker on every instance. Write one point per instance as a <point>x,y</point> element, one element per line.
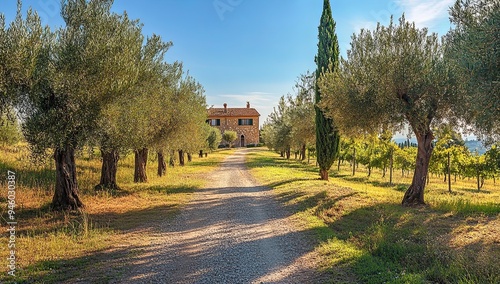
<point>473,145</point>
<point>403,140</point>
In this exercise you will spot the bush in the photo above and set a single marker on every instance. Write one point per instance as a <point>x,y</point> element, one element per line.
<point>229,136</point>
<point>10,133</point>
<point>254,145</point>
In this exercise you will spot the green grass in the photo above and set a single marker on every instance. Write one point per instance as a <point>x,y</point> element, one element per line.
<point>364,235</point>
<point>53,247</point>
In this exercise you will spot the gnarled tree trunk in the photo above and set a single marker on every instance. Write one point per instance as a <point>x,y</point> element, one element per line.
<point>391,166</point>
<point>66,191</point>
<point>415,193</point>
<point>108,169</point>
<point>354,162</point>
<point>141,159</point>
<point>172,158</point>
<point>162,165</point>
<point>448,167</point>
<point>190,157</point>
<point>181,157</point>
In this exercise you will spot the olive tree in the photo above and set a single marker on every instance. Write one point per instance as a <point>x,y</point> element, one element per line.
<point>229,136</point>
<point>72,78</point>
<point>277,130</point>
<point>150,109</point>
<point>301,114</point>
<point>395,75</point>
<point>5,95</point>
<point>109,136</point>
<point>143,116</point>
<point>474,48</point>
<point>20,46</point>
<point>10,133</point>
<point>188,132</point>
<point>214,138</point>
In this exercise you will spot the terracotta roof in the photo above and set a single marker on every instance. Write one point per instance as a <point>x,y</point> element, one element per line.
<point>233,112</point>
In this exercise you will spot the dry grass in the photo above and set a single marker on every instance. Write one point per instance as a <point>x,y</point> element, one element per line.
<point>365,235</point>
<point>61,246</point>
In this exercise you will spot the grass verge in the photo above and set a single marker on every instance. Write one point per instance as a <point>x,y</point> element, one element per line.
<point>54,247</point>
<point>365,236</point>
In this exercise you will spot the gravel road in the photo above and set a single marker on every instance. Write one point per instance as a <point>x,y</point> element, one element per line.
<point>233,231</point>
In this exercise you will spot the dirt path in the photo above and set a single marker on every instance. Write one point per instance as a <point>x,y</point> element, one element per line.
<point>231,232</point>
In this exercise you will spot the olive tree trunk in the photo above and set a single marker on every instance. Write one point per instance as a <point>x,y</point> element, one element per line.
<point>181,157</point>
<point>172,158</point>
<point>162,164</point>
<point>66,190</point>
<point>391,166</point>
<point>109,169</point>
<point>303,152</point>
<point>354,162</point>
<point>449,172</point>
<point>415,193</point>
<point>141,159</point>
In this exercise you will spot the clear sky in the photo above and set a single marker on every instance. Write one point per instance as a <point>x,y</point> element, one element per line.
<point>252,50</point>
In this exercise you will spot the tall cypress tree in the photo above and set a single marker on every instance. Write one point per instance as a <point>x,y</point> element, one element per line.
<point>327,137</point>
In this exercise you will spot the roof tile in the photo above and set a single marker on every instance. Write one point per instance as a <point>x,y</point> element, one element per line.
<point>233,112</point>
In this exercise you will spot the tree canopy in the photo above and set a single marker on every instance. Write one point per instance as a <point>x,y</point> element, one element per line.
<point>474,48</point>
<point>229,136</point>
<point>394,75</point>
<point>291,126</point>
<point>94,81</point>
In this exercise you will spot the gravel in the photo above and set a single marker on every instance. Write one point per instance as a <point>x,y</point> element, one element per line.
<point>233,231</point>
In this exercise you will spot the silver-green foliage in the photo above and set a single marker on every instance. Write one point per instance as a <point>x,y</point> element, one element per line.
<point>301,113</point>
<point>190,115</point>
<point>277,130</point>
<point>214,138</point>
<point>395,75</point>
<point>474,48</point>
<point>291,124</point>
<point>229,136</point>
<point>392,75</point>
<point>10,133</point>
<point>78,71</point>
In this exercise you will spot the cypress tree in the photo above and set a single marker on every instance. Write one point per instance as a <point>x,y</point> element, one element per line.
<point>327,137</point>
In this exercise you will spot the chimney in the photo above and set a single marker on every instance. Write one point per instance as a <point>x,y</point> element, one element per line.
<point>225,108</point>
<point>248,104</point>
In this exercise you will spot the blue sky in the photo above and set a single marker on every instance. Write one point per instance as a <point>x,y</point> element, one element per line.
<point>252,50</point>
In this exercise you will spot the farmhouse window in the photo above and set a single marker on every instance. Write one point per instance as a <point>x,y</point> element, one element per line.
<point>245,121</point>
<point>213,122</point>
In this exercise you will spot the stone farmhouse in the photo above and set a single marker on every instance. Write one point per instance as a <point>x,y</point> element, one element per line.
<point>244,121</point>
